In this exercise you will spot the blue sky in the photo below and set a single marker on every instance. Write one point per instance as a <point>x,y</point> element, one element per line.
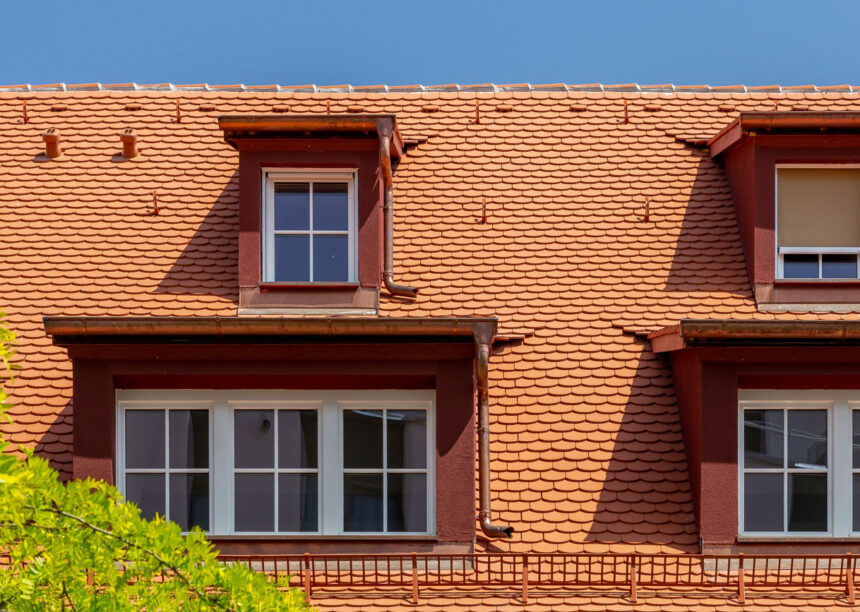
<point>754,42</point>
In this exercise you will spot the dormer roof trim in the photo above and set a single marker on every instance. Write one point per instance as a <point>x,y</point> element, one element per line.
<point>304,126</point>
<point>700,332</point>
<point>785,122</point>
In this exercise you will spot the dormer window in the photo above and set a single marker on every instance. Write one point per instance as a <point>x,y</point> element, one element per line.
<point>309,221</point>
<point>818,222</point>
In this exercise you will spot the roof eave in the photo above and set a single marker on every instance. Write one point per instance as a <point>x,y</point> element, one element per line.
<point>782,122</point>
<point>289,126</point>
<point>69,330</point>
<point>716,331</point>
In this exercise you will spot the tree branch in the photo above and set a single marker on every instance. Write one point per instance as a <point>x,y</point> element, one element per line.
<point>69,599</point>
<point>173,568</point>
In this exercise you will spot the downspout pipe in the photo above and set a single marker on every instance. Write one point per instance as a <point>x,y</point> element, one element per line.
<point>484,340</point>
<point>388,210</point>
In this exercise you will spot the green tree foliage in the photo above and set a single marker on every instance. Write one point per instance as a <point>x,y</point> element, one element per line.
<point>80,546</point>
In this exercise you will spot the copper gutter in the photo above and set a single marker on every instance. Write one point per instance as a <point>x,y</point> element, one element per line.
<point>255,126</point>
<point>388,211</point>
<point>781,121</point>
<point>710,330</point>
<point>65,330</point>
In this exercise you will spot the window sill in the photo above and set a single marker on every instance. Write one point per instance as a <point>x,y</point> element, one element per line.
<point>326,538</point>
<point>792,539</point>
<point>271,286</point>
<point>817,282</point>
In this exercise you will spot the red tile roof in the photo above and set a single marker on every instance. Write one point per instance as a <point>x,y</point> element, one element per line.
<point>587,452</point>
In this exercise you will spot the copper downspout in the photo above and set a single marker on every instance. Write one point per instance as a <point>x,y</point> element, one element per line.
<point>483,340</point>
<point>388,210</point>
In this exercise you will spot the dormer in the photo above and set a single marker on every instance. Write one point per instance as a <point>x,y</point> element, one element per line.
<point>795,181</point>
<point>315,211</point>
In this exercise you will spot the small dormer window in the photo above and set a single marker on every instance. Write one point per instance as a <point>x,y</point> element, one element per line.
<point>818,223</point>
<point>309,227</point>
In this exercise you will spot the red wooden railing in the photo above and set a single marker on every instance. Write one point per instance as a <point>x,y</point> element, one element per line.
<point>629,573</point>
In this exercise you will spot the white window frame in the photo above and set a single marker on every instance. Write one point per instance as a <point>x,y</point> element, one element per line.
<point>167,407</point>
<point>307,175</point>
<point>839,405</point>
<point>780,252</point>
<point>223,404</point>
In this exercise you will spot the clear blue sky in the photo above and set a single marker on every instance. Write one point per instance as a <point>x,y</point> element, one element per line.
<point>328,42</point>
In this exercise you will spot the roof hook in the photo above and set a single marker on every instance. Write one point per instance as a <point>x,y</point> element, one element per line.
<point>24,111</point>
<point>178,112</point>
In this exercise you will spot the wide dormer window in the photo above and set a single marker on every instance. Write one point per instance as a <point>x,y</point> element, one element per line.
<point>310,227</point>
<point>818,222</point>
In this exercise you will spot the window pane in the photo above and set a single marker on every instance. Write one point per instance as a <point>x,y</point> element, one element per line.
<point>189,438</point>
<point>800,266</point>
<point>407,438</point>
<point>331,208</point>
<point>362,502</point>
<point>292,259</point>
<point>807,502</point>
<point>856,501</point>
<point>855,438</point>
<point>255,502</point>
<point>838,266</point>
<point>292,206</point>
<point>189,500</point>
<point>254,439</point>
<point>763,502</point>
<point>331,258</point>
<point>147,491</point>
<point>807,439</point>
<point>297,439</point>
<point>362,439</point>
<point>763,438</point>
<point>144,439</point>
<point>297,502</point>
<point>407,502</point>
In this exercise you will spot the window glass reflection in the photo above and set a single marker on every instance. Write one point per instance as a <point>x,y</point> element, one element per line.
<point>807,439</point>
<point>763,438</point>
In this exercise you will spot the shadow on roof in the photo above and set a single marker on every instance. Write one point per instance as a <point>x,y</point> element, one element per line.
<point>646,500</point>
<point>209,263</point>
<point>708,254</point>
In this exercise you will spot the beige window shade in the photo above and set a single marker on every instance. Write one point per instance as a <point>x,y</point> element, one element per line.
<point>818,207</point>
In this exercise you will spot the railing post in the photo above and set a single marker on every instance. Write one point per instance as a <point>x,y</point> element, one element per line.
<point>308,575</point>
<point>414,578</point>
<point>849,579</point>
<point>632,578</point>
<point>741,593</point>
<point>525,578</point>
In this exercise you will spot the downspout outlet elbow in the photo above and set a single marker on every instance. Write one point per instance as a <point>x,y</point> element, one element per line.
<point>495,531</point>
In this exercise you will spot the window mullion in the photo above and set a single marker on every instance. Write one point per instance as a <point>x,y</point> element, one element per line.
<point>222,478</point>
<point>385,470</point>
<point>311,231</point>
<point>785,498</point>
<point>839,474</point>
<point>276,463</point>
<point>167,463</point>
<point>330,468</point>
